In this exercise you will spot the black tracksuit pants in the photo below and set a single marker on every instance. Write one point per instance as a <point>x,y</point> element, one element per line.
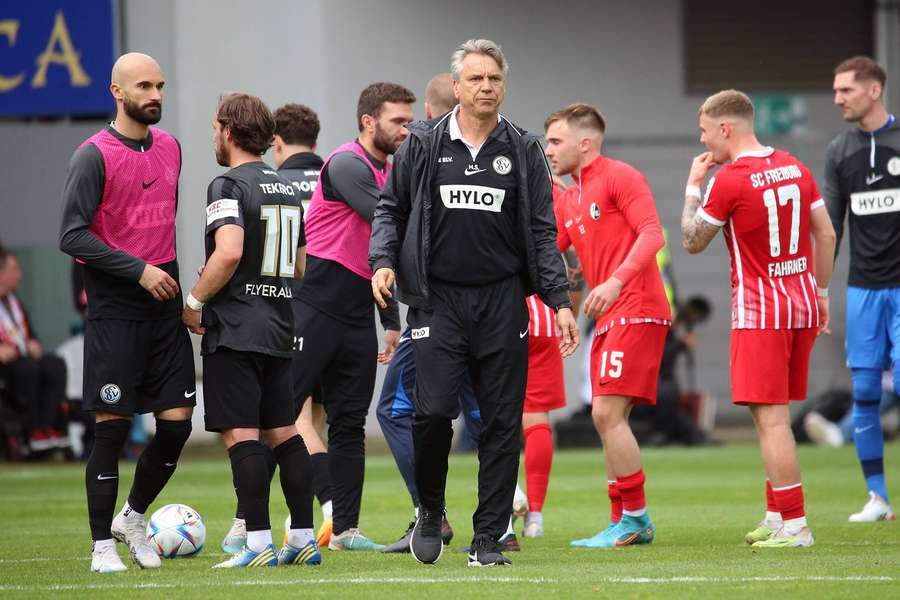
<point>482,330</point>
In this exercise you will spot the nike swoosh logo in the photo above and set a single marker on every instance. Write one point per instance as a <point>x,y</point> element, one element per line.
<point>523,334</point>
<point>469,171</point>
<point>105,477</point>
<point>186,395</point>
<point>863,429</point>
<point>873,178</point>
<point>170,464</point>
<point>403,339</point>
<point>147,185</point>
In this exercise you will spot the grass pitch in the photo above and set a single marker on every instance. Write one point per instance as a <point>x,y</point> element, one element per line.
<point>701,501</point>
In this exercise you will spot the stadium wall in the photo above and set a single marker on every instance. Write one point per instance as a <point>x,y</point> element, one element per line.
<point>624,57</point>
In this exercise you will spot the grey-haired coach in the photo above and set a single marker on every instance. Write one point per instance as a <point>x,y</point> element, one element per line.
<point>466,222</point>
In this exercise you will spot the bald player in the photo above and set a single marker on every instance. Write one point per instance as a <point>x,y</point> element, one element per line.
<point>439,96</point>
<point>120,199</point>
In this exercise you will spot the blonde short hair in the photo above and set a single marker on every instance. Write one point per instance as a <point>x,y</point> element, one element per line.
<point>728,103</point>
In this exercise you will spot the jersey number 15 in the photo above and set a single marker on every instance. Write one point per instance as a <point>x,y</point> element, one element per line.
<point>282,236</point>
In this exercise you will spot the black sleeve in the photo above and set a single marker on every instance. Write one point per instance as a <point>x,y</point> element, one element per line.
<point>835,198</point>
<point>390,316</point>
<point>392,213</point>
<point>82,194</point>
<point>352,182</point>
<point>223,204</point>
<point>552,284</point>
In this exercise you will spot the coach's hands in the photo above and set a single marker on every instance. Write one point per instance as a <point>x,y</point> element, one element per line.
<point>824,317</point>
<point>701,166</point>
<point>191,320</point>
<point>159,283</point>
<point>602,298</point>
<point>568,331</point>
<point>391,341</point>
<point>382,282</point>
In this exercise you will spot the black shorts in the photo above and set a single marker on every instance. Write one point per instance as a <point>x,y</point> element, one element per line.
<point>137,366</point>
<point>246,389</point>
<point>482,331</point>
<point>334,360</point>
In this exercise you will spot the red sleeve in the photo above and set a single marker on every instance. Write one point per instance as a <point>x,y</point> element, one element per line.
<point>631,193</point>
<point>562,236</point>
<point>815,196</point>
<point>719,200</point>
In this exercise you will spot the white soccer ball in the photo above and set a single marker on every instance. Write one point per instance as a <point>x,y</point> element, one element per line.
<point>176,530</point>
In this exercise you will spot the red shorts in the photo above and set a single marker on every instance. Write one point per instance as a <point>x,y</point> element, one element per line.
<point>770,366</point>
<point>546,389</point>
<point>625,361</point>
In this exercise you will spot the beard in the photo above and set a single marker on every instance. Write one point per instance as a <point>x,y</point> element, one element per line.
<point>223,156</point>
<point>383,142</point>
<point>143,114</point>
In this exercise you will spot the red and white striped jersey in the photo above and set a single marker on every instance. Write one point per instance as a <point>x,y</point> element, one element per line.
<point>543,319</point>
<point>763,200</point>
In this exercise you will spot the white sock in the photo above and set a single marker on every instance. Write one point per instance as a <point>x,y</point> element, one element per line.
<point>300,537</point>
<point>509,528</point>
<point>534,517</point>
<point>130,513</point>
<point>793,526</point>
<point>100,545</point>
<point>326,511</point>
<point>635,513</point>
<point>519,495</point>
<point>773,517</point>
<point>259,540</point>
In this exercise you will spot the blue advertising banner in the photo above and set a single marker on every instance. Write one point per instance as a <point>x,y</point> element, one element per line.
<point>55,57</point>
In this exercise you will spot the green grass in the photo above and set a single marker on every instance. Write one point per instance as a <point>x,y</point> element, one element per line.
<point>702,502</point>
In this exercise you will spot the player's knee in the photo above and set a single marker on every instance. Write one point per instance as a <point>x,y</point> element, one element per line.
<point>866,384</point>
<point>179,413</point>
<point>171,436</point>
<point>111,433</point>
<point>605,416</point>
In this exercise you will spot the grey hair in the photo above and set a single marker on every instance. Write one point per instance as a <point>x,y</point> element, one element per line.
<point>477,46</point>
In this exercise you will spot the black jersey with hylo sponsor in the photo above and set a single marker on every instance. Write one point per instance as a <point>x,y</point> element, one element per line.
<point>862,174</point>
<point>252,313</point>
<point>475,205</point>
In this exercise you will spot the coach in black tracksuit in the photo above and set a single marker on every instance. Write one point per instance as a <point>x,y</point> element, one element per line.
<point>466,219</point>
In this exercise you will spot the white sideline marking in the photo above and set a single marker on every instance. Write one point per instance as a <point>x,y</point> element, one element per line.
<point>392,580</point>
<point>255,582</point>
<point>761,579</point>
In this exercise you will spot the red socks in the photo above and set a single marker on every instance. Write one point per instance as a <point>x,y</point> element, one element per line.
<point>538,461</point>
<point>615,502</point>
<point>789,500</point>
<point>631,487</point>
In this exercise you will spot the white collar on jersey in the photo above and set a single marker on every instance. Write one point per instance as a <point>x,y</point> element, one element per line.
<point>456,134</point>
<point>767,151</point>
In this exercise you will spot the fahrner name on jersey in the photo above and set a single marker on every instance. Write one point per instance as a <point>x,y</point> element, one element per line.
<point>788,267</point>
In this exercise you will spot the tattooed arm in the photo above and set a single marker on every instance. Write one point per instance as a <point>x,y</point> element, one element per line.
<point>696,231</point>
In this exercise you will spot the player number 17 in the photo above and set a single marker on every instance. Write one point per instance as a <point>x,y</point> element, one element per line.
<point>785,193</point>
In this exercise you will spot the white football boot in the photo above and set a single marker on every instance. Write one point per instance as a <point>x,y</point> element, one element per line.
<point>105,559</point>
<point>128,527</point>
<point>876,509</point>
